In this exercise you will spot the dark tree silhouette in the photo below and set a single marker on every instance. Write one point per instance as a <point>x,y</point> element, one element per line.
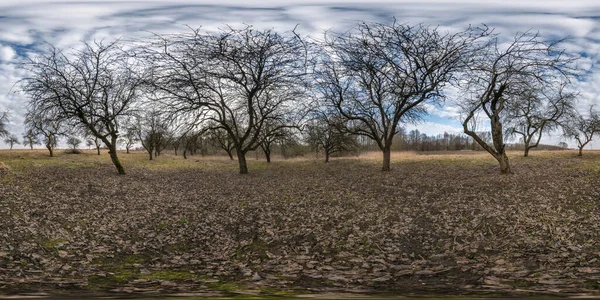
<point>151,131</point>
<point>220,138</point>
<point>92,88</point>
<point>49,128</point>
<point>582,128</point>
<point>538,111</point>
<point>74,142</point>
<point>30,138</point>
<point>236,79</point>
<point>326,133</point>
<point>3,124</point>
<point>379,75</point>
<point>498,76</point>
<point>11,140</point>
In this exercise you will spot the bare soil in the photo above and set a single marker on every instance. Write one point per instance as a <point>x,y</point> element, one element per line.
<point>440,223</point>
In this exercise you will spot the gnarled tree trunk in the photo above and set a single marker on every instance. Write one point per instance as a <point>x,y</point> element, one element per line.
<point>268,154</point>
<point>115,159</point>
<point>50,150</point>
<point>504,164</point>
<point>242,162</point>
<point>386,159</point>
<point>498,148</point>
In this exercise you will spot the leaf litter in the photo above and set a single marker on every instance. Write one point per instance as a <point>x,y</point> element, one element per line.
<point>435,224</point>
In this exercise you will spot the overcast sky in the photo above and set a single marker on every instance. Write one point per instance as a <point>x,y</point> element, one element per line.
<point>27,24</point>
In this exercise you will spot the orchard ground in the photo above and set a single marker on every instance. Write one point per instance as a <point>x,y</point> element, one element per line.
<point>437,223</point>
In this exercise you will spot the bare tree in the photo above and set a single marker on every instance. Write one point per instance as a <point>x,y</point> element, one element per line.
<point>191,142</point>
<point>162,139</point>
<point>220,138</point>
<point>238,79</point>
<point>93,88</point>
<point>3,124</point>
<point>12,140</point>
<point>379,75</point>
<point>498,75</point>
<point>176,143</point>
<point>129,138</point>
<point>175,138</point>
<point>151,131</point>
<point>563,145</point>
<point>328,134</point>
<point>538,111</point>
<point>97,143</point>
<point>51,129</point>
<point>582,129</point>
<point>74,142</point>
<point>274,132</point>
<point>30,138</point>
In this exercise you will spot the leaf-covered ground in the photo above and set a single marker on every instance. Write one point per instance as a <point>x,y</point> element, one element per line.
<point>443,223</point>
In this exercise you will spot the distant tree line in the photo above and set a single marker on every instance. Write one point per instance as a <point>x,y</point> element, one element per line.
<point>244,90</point>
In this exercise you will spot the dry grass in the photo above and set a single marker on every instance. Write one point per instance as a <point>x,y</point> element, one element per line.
<point>441,222</point>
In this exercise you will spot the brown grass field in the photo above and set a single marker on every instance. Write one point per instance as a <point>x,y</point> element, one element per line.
<point>437,223</point>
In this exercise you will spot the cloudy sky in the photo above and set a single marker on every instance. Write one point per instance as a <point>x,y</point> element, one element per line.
<point>27,24</point>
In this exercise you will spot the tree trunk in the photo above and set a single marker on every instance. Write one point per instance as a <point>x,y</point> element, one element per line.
<point>230,154</point>
<point>184,154</point>
<point>386,159</point>
<point>98,149</point>
<point>127,148</point>
<point>242,162</point>
<point>115,159</point>
<point>499,145</point>
<point>581,151</point>
<point>326,156</point>
<point>150,154</point>
<point>268,155</point>
<point>50,150</point>
<point>528,145</point>
<point>504,164</point>
<point>31,146</point>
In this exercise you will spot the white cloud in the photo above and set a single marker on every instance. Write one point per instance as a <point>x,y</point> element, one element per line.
<point>7,53</point>
<point>449,111</point>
